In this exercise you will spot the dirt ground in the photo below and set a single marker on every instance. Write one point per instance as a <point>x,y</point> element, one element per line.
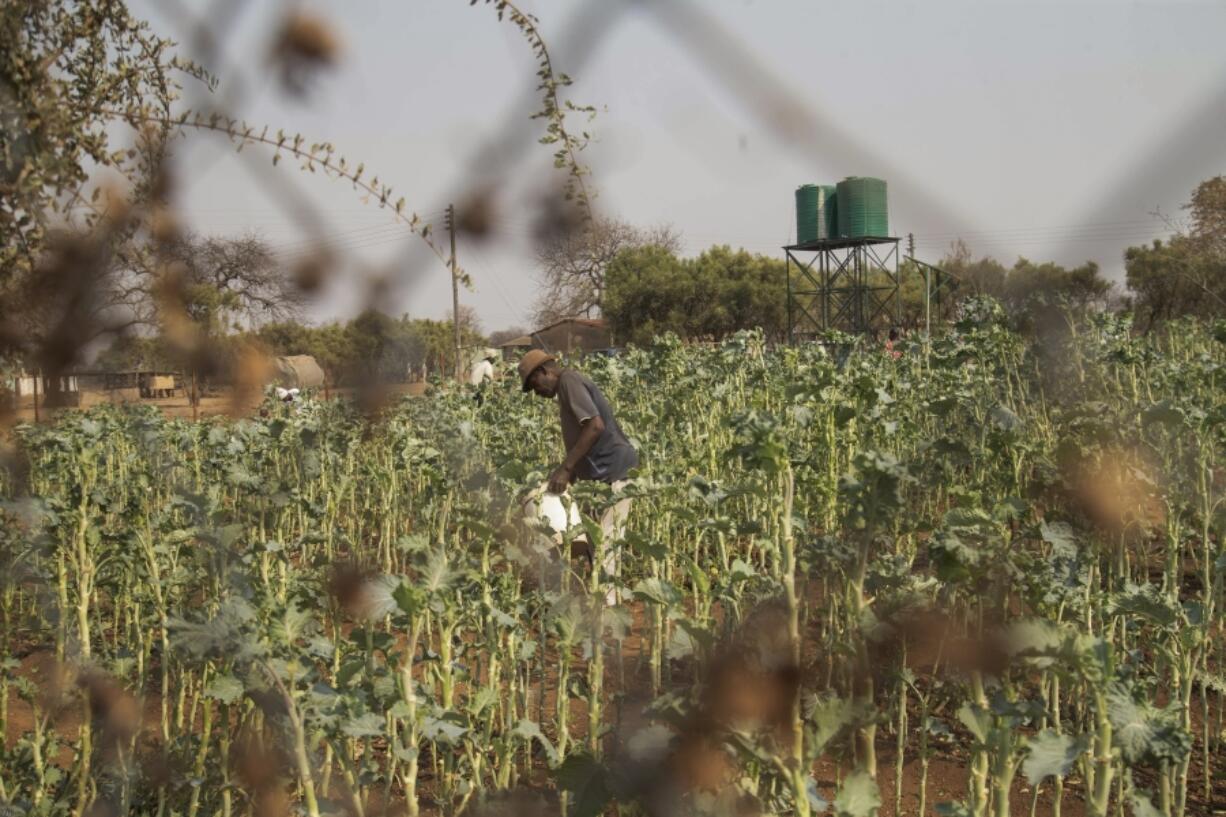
<point>947,772</point>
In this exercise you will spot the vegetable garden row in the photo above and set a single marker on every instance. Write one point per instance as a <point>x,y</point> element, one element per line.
<point>840,568</point>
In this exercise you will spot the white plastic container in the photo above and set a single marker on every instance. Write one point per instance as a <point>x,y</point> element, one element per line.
<point>558,511</point>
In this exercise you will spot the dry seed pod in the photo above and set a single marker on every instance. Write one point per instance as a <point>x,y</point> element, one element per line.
<point>700,763</point>
<point>476,215</point>
<point>557,217</point>
<point>54,679</point>
<point>346,584</point>
<point>252,369</point>
<point>164,225</point>
<point>309,37</point>
<point>310,273</point>
<point>112,708</point>
<point>306,43</point>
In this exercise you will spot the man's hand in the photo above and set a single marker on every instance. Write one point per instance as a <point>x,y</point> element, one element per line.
<point>559,479</point>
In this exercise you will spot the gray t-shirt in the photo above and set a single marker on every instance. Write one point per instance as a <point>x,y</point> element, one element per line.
<point>612,456</point>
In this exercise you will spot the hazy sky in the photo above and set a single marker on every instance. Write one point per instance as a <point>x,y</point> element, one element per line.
<point>1050,130</point>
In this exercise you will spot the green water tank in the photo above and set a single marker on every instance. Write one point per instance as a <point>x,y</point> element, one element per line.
<point>862,208</point>
<point>808,198</point>
<point>815,213</point>
<point>828,212</point>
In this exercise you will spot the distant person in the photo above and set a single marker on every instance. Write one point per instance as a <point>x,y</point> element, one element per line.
<point>596,448</point>
<point>482,372</point>
<point>289,399</point>
<point>891,345</point>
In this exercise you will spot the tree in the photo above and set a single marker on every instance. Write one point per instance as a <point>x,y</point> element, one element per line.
<point>138,352</point>
<point>648,294</point>
<point>470,325</point>
<point>69,70</point>
<point>1031,292</point>
<point>985,276</point>
<point>1186,275</point>
<point>501,336</point>
<point>373,346</point>
<point>652,291</point>
<point>177,303</point>
<point>224,283</point>
<point>1208,208</point>
<point>85,87</point>
<point>328,344</point>
<point>574,263</point>
<point>1029,286</point>
<point>1172,279</point>
<point>743,291</point>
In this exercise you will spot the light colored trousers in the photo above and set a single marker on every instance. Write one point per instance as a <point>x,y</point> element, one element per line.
<point>613,526</point>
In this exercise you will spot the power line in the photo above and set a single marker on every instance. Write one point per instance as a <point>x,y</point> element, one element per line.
<point>340,238</point>
<point>480,257</point>
<point>1092,238</point>
<point>356,238</point>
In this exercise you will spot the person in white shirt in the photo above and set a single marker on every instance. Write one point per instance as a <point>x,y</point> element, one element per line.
<point>482,371</point>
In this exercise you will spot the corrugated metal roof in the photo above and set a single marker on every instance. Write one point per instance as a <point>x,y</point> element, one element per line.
<point>594,323</point>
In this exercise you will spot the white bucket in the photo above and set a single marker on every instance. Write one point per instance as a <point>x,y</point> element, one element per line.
<point>559,512</point>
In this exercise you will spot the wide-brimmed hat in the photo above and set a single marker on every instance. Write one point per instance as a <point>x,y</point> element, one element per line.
<point>530,362</point>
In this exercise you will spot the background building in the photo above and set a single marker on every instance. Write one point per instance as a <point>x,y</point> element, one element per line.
<point>571,336</point>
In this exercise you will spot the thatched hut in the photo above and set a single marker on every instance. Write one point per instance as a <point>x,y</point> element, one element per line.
<point>297,372</point>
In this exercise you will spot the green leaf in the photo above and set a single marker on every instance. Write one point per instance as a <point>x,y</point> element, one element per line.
<point>1004,418</point>
<point>348,671</point>
<point>942,406</point>
<point>1141,804</point>
<point>658,592</point>
<point>587,780</point>
<point>409,598</point>
<point>436,576</point>
<point>368,725</point>
<point>817,803</point>
<point>1061,538</point>
<point>641,544</point>
<point>680,645</point>
<point>702,585</point>
<point>1037,637</point>
<point>1147,602</point>
<point>529,731</point>
<point>858,796</point>
<point>740,571</point>
<point>829,717</point>
<point>445,729</point>
<point>977,719</point>
<point>480,701</point>
<point>955,451</point>
<point>1163,413</point>
<point>224,688</point>
<point>402,752</point>
<point>1143,732</point>
<point>1052,755</point>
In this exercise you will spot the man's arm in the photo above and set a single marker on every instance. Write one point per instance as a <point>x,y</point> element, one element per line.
<point>589,432</point>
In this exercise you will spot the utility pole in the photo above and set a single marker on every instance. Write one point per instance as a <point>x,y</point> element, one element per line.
<point>927,286</point>
<point>927,304</point>
<point>455,291</point>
